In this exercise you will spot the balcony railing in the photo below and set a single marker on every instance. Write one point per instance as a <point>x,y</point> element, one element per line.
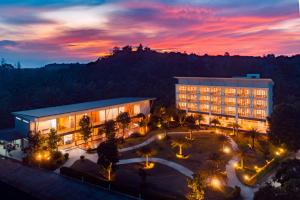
<point>244,104</point>
<point>204,101</point>
<point>230,103</point>
<point>192,100</point>
<point>216,102</point>
<point>229,94</point>
<point>259,96</point>
<point>259,106</point>
<point>182,99</point>
<point>216,93</point>
<point>204,92</point>
<point>230,112</point>
<point>259,116</point>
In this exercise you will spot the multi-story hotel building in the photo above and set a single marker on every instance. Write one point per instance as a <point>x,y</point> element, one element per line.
<point>65,119</point>
<point>243,100</point>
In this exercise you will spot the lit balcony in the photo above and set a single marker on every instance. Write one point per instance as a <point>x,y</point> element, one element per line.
<point>230,103</point>
<point>230,94</point>
<point>259,106</point>
<point>261,96</point>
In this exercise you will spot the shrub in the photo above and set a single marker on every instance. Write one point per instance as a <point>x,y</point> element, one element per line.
<point>57,155</point>
<point>66,155</point>
<point>135,135</point>
<point>90,150</point>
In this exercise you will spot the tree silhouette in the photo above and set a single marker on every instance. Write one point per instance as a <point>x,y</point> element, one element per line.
<point>146,151</point>
<point>85,128</point>
<point>190,122</point>
<point>53,140</point>
<point>253,134</point>
<point>124,120</point>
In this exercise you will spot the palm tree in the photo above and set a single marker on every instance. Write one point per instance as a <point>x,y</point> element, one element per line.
<point>190,122</point>
<point>235,127</point>
<point>146,152</point>
<point>253,134</point>
<point>243,151</point>
<point>181,115</point>
<point>199,118</point>
<point>180,143</point>
<point>143,123</point>
<point>124,120</point>
<point>215,122</point>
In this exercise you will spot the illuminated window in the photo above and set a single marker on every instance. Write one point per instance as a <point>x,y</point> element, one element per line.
<point>204,107</point>
<point>136,109</point>
<point>260,103</point>
<point>216,91</point>
<point>192,97</point>
<point>121,109</point>
<point>204,99</point>
<point>260,93</point>
<point>244,112</point>
<point>243,92</point>
<point>230,91</point>
<point>192,89</point>
<point>204,90</point>
<point>230,110</point>
<point>230,101</point>
<point>216,109</point>
<point>182,88</point>
<point>102,115</point>
<point>260,114</point>
<point>192,106</point>
<point>216,100</point>
<point>244,102</point>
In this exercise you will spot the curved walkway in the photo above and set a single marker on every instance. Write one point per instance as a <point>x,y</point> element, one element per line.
<point>232,180</point>
<point>183,170</point>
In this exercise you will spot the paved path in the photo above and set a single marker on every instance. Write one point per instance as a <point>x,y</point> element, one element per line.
<point>50,186</point>
<point>183,170</point>
<point>232,180</point>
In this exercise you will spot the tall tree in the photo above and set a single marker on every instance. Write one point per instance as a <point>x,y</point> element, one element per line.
<point>36,141</point>
<point>253,134</point>
<point>146,151</point>
<point>85,128</point>
<point>124,120</point>
<point>180,143</point>
<point>285,125</point>
<point>53,140</point>
<point>107,151</point>
<point>190,122</point>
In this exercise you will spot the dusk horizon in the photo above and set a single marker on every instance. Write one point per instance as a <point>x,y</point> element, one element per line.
<point>37,34</point>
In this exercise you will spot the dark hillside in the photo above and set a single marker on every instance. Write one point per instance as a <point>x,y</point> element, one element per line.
<point>135,73</point>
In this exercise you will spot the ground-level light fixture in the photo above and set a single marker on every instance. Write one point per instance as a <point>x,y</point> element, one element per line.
<point>226,150</point>
<point>215,183</point>
<point>246,177</point>
<point>235,165</point>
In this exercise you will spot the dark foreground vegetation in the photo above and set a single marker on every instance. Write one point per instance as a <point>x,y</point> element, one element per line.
<point>134,73</point>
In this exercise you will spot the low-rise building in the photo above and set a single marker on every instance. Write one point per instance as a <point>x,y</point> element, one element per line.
<point>246,101</point>
<point>65,119</point>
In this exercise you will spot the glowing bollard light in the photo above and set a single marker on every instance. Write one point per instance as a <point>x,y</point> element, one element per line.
<point>226,150</point>
<point>235,165</point>
<point>215,183</point>
<point>246,177</point>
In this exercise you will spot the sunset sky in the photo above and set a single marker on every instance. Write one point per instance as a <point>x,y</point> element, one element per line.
<point>37,32</point>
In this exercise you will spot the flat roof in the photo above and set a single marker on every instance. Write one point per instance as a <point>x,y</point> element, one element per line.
<point>58,110</point>
<point>225,79</point>
<point>216,81</point>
